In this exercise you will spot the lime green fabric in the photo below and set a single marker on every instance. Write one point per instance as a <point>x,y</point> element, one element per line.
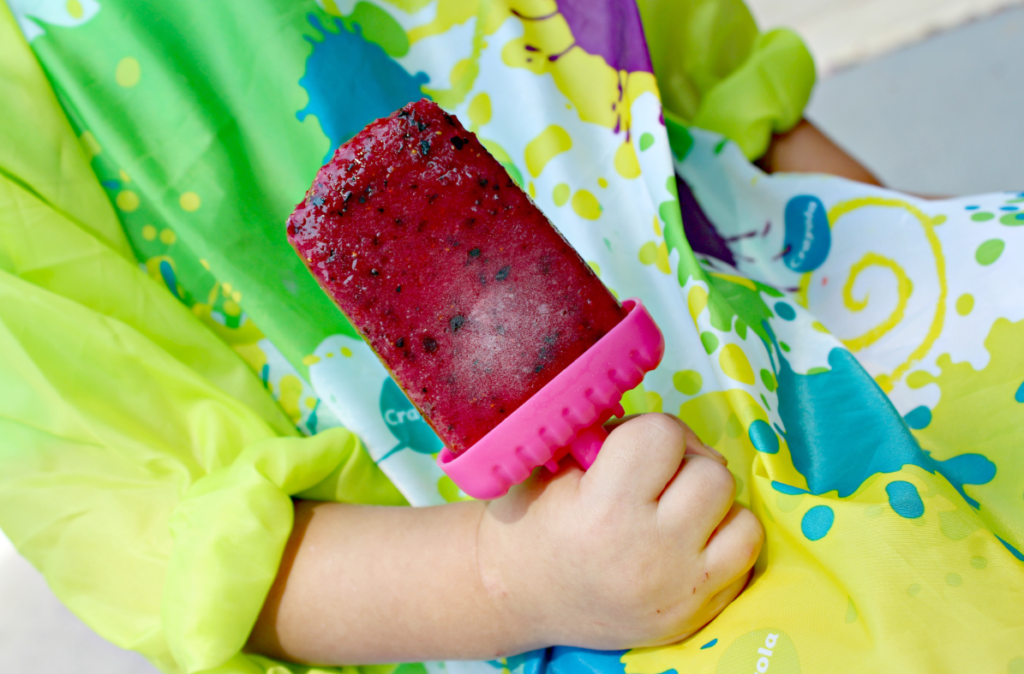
<point>142,423</point>
<point>716,71</point>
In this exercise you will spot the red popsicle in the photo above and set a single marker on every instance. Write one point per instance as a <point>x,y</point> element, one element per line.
<point>469,296</point>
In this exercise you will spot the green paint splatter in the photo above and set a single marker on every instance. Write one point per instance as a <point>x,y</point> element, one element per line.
<point>768,379</point>
<point>688,382</point>
<point>728,300</point>
<point>710,341</point>
<point>646,141</point>
<point>1015,219</point>
<point>989,251</point>
<point>982,217</point>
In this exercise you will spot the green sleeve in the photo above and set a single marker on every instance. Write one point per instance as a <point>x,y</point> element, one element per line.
<point>716,71</point>
<point>144,470</point>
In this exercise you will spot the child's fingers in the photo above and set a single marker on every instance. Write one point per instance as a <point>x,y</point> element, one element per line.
<point>734,546</point>
<point>638,459</point>
<point>697,500</point>
<point>694,445</point>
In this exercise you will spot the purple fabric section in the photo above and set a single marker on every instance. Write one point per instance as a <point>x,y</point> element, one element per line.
<point>700,233</point>
<point>610,29</point>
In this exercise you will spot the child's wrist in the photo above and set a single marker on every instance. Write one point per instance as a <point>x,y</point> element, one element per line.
<point>504,576</point>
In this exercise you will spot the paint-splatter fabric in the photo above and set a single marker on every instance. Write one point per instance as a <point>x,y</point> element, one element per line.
<point>854,352</point>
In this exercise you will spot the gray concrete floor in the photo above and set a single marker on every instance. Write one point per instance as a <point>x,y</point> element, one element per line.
<point>945,116</point>
<point>942,117</point>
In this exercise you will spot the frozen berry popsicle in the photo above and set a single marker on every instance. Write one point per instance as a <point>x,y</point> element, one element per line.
<point>461,286</point>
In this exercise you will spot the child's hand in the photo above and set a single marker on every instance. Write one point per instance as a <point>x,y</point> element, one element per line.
<point>643,549</point>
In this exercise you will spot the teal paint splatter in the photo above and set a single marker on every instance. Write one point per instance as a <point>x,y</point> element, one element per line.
<point>789,490</point>
<point>1013,551</point>
<point>842,429</point>
<point>904,499</point>
<point>709,644</point>
<point>405,422</point>
<point>808,235</point>
<point>918,418</point>
<point>966,469</point>
<point>345,67</point>
<point>817,522</point>
<point>785,311</point>
<point>763,437</point>
<point>312,421</point>
<point>1019,396</point>
<point>167,274</point>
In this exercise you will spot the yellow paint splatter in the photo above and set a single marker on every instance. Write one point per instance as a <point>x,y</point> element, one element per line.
<point>480,110</point>
<point>168,237</point>
<point>602,182</point>
<point>904,287</point>
<point>697,300</point>
<point>91,145</point>
<point>657,226</point>
<point>231,308</point>
<point>124,176</point>
<point>654,402</point>
<point>964,304</point>
<point>586,205</point>
<point>149,232</point>
<point>206,265</point>
<point>561,194</point>
<point>626,163</point>
<point>347,352</point>
<point>739,280</point>
<point>227,288</point>
<point>688,382</point>
<point>236,296</point>
<point>189,201</point>
<point>74,8</point>
<point>532,190</point>
<point>819,327</point>
<point>661,262</point>
<point>600,93</point>
<point>310,360</point>
<point>291,391</point>
<point>128,72</point>
<point>887,380</point>
<point>550,143</point>
<point>648,252</point>
<point>127,200</point>
<point>310,402</point>
<point>595,266</point>
<point>489,17</point>
<point>735,365</point>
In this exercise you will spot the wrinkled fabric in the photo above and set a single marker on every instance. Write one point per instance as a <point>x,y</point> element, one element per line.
<point>853,351</point>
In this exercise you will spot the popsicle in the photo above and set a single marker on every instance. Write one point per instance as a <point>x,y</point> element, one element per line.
<point>450,273</point>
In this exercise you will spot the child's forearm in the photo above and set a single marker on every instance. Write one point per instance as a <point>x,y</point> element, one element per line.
<point>805,149</point>
<point>642,549</point>
<point>365,584</point>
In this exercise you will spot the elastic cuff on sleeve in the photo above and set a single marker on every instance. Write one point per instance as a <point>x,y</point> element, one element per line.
<point>229,533</point>
<point>764,96</point>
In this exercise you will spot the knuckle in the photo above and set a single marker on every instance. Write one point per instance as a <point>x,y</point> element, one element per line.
<point>715,478</point>
<point>664,429</point>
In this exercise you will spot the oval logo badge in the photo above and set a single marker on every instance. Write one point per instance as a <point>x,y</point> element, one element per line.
<point>808,236</point>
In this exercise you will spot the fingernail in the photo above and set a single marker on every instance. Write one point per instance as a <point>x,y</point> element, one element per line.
<point>715,452</point>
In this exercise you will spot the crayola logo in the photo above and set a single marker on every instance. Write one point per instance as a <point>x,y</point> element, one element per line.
<point>808,236</point>
<point>405,423</point>
<point>764,651</point>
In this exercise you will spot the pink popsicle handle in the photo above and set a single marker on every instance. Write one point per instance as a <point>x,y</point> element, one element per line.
<point>585,446</point>
<point>565,416</point>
